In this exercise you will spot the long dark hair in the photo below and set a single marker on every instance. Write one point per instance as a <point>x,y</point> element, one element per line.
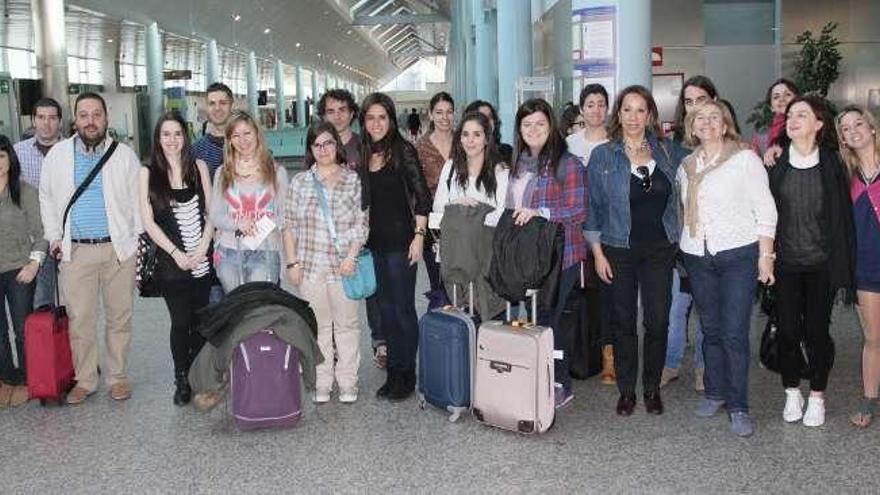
<point>491,157</point>
<point>568,117</point>
<point>437,98</point>
<point>475,105</point>
<point>615,128</point>
<point>316,130</point>
<point>384,145</point>
<point>698,81</point>
<point>14,179</point>
<point>787,82</point>
<point>160,184</point>
<point>548,158</point>
<point>827,136</point>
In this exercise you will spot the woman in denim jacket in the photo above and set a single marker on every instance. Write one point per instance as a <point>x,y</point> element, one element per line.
<point>632,228</point>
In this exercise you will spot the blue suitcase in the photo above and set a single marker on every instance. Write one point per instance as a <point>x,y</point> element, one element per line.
<point>447,338</point>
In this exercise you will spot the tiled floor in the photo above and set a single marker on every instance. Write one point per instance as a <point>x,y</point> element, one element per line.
<point>147,445</point>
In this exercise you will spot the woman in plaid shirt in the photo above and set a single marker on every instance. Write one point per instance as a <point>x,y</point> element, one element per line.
<point>313,263</point>
<point>548,181</point>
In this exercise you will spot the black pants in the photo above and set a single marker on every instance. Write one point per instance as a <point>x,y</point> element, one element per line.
<point>649,271</point>
<point>19,299</point>
<point>803,304</point>
<point>184,298</point>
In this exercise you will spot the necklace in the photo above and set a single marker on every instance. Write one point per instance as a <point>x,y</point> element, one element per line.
<point>638,148</point>
<point>869,179</point>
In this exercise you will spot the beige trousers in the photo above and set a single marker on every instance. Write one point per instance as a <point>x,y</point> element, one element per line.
<point>339,324</point>
<point>93,270</point>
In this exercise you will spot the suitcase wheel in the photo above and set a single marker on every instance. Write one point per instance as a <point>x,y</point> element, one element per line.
<point>478,414</point>
<point>43,402</point>
<point>422,403</point>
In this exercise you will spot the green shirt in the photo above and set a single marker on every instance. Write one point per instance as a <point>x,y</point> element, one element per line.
<point>21,229</point>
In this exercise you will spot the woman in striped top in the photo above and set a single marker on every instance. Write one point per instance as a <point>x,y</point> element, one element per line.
<point>174,196</point>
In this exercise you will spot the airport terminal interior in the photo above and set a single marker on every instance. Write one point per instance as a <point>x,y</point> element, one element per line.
<point>145,57</point>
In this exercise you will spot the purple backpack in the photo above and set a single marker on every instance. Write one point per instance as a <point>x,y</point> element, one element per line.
<point>265,383</point>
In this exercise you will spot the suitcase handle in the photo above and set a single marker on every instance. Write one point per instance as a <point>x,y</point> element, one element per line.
<point>470,297</point>
<point>520,323</point>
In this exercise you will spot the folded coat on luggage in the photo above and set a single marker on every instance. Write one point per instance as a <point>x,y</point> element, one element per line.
<point>212,363</point>
<point>527,257</point>
<point>466,254</point>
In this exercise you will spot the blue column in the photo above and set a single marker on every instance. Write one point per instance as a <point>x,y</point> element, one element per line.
<point>484,43</point>
<point>514,58</point>
<point>212,64</point>
<point>155,81</point>
<point>280,104</point>
<point>252,83</point>
<point>300,98</point>
<point>634,43</point>
<point>316,92</point>
<point>777,35</point>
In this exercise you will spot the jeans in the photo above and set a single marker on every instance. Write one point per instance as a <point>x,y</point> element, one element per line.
<point>184,299</point>
<point>563,338</point>
<point>237,267</point>
<point>20,298</point>
<point>724,287</point>
<point>679,313</point>
<point>374,320</point>
<point>44,294</point>
<point>803,303</point>
<point>396,297</point>
<point>645,270</point>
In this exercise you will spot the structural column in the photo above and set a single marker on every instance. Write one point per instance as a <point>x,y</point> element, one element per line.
<point>212,65</point>
<point>484,41</point>
<point>252,83</point>
<point>155,81</point>
<point>316,92</point>
<point>300,98</point>
<point>280,104</point>
<point>634,43</point>
<point>51,48</point>
<point>515,58</point>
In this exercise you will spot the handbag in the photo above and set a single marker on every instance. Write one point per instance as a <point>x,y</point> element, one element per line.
<point>362,284</point>
<point>771,346</point>
<point>145,267</point>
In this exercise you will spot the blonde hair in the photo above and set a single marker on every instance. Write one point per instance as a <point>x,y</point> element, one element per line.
<point>850,158</point>
<point>729,135</point>
<point>230,155</point>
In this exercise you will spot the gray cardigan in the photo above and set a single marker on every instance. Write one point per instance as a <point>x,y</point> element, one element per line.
<point>21,230</point>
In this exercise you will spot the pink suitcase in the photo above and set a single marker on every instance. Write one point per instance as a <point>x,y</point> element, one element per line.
<point>513,382</point>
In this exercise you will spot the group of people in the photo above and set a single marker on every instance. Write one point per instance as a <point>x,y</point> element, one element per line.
<point>697,217</point>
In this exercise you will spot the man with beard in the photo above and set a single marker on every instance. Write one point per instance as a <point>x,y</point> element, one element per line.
<point>210,147</point>
<point>46,118</point>
<point>96,244</point>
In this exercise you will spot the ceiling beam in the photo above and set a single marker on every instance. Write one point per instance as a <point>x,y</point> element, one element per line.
<point>364,20</point>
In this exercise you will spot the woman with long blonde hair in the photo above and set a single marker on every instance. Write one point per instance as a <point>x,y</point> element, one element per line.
<point>248,206</point>
<point>860,150</point>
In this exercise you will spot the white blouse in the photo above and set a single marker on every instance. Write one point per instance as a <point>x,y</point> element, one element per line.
<point>446,195</point>
<point>580,147</point>
<point>735,206</point>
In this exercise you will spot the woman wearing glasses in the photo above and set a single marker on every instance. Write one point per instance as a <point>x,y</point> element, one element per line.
<point>727,242</point>
<point>633,228</point>
<point>317,260</point>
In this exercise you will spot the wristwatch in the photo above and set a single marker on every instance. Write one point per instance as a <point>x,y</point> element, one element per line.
<point>421,231</point>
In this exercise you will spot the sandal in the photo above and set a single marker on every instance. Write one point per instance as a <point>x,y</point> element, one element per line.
<point>865,414</point>
<point>380,356</point>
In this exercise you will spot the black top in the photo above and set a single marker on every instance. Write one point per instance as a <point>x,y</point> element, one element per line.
<point>183,229</point>
<point>413,122</point>
<point>802,240</point>
<point>646,210</point>
<point>391,222</point>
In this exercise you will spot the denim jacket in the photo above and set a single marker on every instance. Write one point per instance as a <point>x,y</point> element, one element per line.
<point>608,179</point>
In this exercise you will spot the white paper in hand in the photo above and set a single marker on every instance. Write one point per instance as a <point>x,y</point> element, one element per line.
<point>265,226</point>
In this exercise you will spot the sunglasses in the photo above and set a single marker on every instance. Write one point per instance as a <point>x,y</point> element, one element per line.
<point>645,177</point>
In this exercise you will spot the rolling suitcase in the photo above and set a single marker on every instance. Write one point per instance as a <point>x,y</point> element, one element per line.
<point>447,338</point>
<point>265,383</point>
<point>48,360</point>
<point>514,377</point>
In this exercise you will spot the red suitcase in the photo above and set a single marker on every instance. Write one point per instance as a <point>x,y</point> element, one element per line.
<point>48,358</point>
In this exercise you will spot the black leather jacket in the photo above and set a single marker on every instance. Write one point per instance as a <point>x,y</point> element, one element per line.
<point>407,166</point>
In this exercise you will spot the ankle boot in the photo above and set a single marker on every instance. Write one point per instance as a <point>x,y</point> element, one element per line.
<point>183,392</point>
<point>390,378</point>
<point>608,375</point>
<point>403,386</point>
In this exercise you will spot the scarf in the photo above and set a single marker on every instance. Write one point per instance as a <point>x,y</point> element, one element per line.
<point>695,179</point>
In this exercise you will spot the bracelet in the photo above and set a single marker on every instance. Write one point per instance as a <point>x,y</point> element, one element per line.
<point>772,256</point>
<point>293,265</point>
<point>173,251</point>
<point>421,232</point>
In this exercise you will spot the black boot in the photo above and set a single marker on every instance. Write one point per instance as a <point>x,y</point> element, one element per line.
<point>390,378</point>
<point>404,386</point>
<point>183,393</point>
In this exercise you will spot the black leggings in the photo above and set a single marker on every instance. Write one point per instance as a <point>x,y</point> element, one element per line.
<point>184,298</point>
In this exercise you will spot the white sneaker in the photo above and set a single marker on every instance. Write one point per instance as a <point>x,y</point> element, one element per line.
<point>794,405</point>
<point>815,415</point>
<point>321,396</point>
<point>348,395</point>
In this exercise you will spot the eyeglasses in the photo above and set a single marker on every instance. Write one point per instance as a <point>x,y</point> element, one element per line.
<point>329,144</point>
<point>645,177</point>
<point>579,123</point>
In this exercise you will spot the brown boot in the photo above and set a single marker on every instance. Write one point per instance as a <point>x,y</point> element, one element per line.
<point>608,376</point>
